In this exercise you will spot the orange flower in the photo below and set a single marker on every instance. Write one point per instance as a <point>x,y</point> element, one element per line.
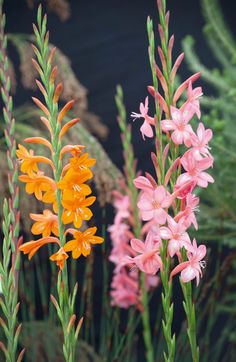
<point>81,163</point>
<point>45,224</point>
<point>73,184</point>
<point>36,184</point>
<point>75,150</point>
<point>81,244</point>
<point>59,257</point>
<point>49,197</point>
<point>29,161</point>
<point>76,210</point>
<point>33,246</point>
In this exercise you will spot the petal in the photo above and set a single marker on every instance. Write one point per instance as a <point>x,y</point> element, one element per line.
<point>137,245</point>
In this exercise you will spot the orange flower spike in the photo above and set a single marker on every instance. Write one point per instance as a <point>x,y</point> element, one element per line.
<point>67,126</point>
<point>41,106</point>
<point>65,110</point>
<point>77,210</point>
<point>37,184</point>
<point>40,141</point>
<point>45,224</point>
<point>81,244</point>
<point>59,257</point>
<point>31,247</point>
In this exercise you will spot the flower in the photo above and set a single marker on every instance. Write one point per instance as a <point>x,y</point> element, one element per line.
<point>178,124</point>
<point>76,210</point>
<point>146,128</point>
<point>45,224</point>
<point>29,162</point>
<point>195,170</point>
<point>149,260</point>
<point>73,184</point>
<point>192,105</point>
<point>31,247</point>
<point>176,234</point>
<point>192,268</point>
<point>152,204</point>
<point>200,142</point>
<point>36,184</point>
<point>81,244</point>
<point>122,205</point>
<point>143,183</point>
<point>187,215</point>
<point>81,163</point>
<point>59,257</point>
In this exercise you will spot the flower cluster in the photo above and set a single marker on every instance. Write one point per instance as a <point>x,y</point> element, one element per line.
<point>67,190</point>
<point>125,284</point>
<point>157,206</point>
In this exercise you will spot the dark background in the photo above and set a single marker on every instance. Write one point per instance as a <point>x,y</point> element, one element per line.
<point>106,42</point>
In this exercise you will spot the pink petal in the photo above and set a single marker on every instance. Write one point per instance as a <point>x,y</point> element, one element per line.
<point>188,274</point>
<point>137,245</point>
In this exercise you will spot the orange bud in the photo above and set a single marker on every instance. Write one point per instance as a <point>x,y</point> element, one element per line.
<point>65,109</point>
<point>39,140</point>
<point>67,126</point>
<point>57,93</point>
<point>53,75</point>
<point>51,55</point>
<point>36,65</point>
<point>41,106</point>
<point>41,87</point>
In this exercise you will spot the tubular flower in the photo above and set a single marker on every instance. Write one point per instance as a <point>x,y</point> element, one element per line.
<point>26,158</point>
<point>73,184</point>
<point>81,244</point>
<point>45,224</point>
<point>31,247</point>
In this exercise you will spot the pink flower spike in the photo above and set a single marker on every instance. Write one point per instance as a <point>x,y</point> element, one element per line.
<point>200,142</point>
<point>176,234</point>
<point>192,268</point>
<point>152,205</point>
<point>182,131</point>
<point>146,128</point>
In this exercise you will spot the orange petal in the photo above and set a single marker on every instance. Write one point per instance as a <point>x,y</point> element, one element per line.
<point>57,92</point>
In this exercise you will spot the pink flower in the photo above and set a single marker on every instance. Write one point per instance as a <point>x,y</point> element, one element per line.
<point>146,128</point>
<point>192,105</point>
<point>179,124</point>
<point>192,268</point>
<point>149,260</point>
<point>125,289</point>
<point>176,234</point>
<point>152,204</point>
<point>195,170</point>
<point>187,215</point>
<point>200,142</point>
